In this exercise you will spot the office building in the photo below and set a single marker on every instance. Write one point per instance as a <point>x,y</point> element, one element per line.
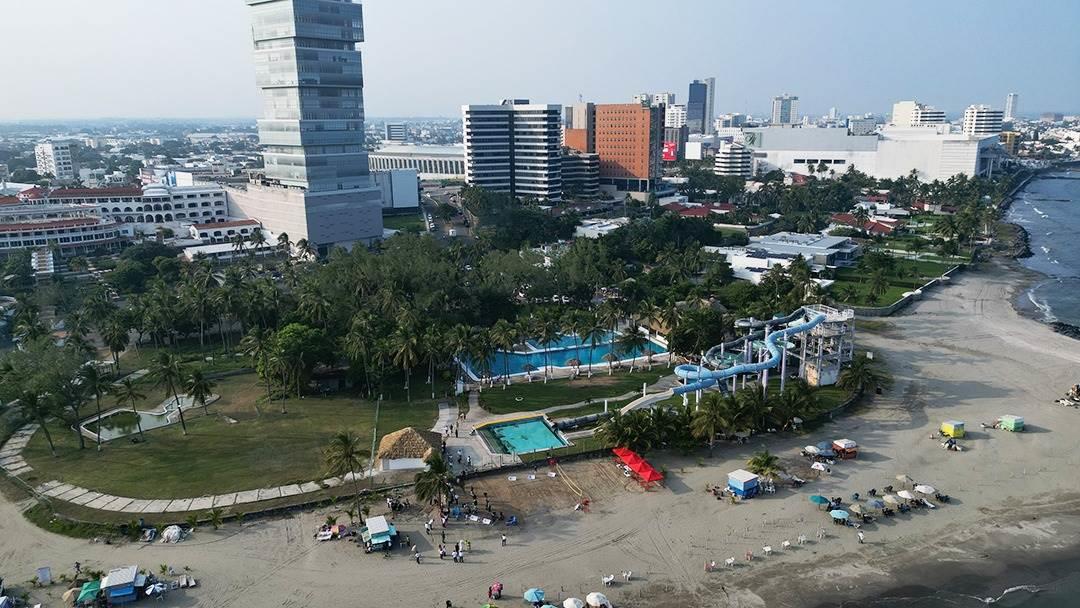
<point>514,147</point>
<point>400,189</point>
<point>981,120</point>
<point>1010,142</point>
<point>396,131</point>
<point>914,114</point>
<point>730,121</point>
<point>580,174</point>
<point>699,106</point>
<point>785,110</point>
<point>733,160</point>
<point>431,162</point>
<point>629,141</point>
<point>642,98</point>
<point>860,125</point>
<point>316,183</point>
<point>1010,106</point>
<point>674,116</point>
<point>675,139</point>
<point>579,130</point>
<point>54,158</point>
<point>1051,117</point>
<point>934,153</point>
<point>663,99</point>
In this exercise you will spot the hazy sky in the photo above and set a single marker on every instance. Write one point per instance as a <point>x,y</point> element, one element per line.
<point>192,58</point>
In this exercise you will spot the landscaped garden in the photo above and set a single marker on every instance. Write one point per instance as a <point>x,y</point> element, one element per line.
<point>235,447</point>
<point>523,396</point>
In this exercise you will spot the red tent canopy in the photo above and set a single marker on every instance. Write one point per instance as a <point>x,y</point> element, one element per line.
<point>644,471</point>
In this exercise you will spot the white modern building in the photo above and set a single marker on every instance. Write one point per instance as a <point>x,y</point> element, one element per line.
<point>785,109</point>
<point>431,162</point>
<point>74,229</point>
<point>316,184</point>
<point>514,147</point>
<point>817,249</point>
<point>733,160</point>
<point>914,114</point>
<point>54,158</point>
<point>1011,101</point>
<point>400,188</point>
<point>981,120</point>
<point>861,125</point>
<point>730,121</point>
<point>750,263</point>
<point>934,153</point>
<point>145,209</point>
<point>598,227</point>
<point>665,99</point>
<point>675,117</point>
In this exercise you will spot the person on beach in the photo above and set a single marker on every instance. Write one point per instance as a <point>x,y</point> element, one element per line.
<point>861,537</point>
<point>504,540</point>
<point>417,558</point>
<point>442,552</point>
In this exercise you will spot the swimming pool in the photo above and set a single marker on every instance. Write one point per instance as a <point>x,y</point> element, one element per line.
<point>521,436</point>
<point>560,353</point>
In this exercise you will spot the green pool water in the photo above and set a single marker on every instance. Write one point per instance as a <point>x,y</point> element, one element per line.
<point>524,436</point>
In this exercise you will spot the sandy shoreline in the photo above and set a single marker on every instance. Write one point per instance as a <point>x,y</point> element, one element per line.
<point>961,352</point>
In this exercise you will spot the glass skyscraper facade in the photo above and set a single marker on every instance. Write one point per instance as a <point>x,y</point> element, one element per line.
<point>309,70</point>
<point>695,106</point>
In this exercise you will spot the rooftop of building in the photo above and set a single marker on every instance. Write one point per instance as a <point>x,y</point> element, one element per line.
<point>228,224</point>
<point>421,150</point>
<point>795,239</point>
<point>52,224</point>
<point>94,192</point>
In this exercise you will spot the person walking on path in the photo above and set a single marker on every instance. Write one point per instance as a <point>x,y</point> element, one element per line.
<point>504,540</point>
<point>444,536</point>
<point>468,545</point>
<point>417,558</point>
<point>861,537</point>
<point>442,552</point>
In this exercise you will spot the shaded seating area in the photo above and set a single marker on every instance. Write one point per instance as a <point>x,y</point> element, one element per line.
<point>644,472</point>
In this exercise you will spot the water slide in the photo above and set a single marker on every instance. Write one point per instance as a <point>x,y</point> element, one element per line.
<point>699,377</point>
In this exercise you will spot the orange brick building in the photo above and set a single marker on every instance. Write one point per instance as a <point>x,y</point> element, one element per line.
<point>628,137</point>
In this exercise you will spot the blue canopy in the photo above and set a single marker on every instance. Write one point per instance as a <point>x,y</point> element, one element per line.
<point>534,595</point>
<point>819,500</point>
<point>839,514</point>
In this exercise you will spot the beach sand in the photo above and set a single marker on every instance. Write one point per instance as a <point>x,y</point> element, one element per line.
<point>962,352</point>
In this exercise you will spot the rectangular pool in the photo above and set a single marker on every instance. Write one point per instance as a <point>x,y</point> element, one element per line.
<point>564,352</point>
<point>521,436</point>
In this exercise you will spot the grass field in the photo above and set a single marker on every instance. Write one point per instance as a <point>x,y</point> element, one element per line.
<point>853,278</point>
<point>537,395</point>
<point>233,448</point>
<point>405,223</point>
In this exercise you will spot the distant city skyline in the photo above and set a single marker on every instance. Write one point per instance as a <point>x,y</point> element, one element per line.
<point>425,58</point>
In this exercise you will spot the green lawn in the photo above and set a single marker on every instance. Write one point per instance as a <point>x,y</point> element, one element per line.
<point>404,223</point>
<point>191,353</point>
<point>538,396</point>
<point>217,456</point>
<point>580,446</point>
<point>897,287</point>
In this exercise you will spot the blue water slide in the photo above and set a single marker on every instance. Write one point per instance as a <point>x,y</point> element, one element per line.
<point>701,377</point>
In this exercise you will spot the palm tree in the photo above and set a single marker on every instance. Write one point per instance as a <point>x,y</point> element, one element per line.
<point>796,400</point>
<point>284,244</point>
<point>765,465</point>
<point>257,344</point>
<point>593,334</point>
<point>878,283</point>
<point>615,431</point>
<point>433,350</point>
<point>433,484</point>
<point>862,373</point>
<point>756,406</point>
<point>630,344</point>
<point>504,336</point>
<point>200,389</point>
<point>459,341</point>
<point>406,352</point>
<point>126,392</point>
<point>547,331</point>
<point>862,217</point>
<point>305,249</point>
<point>715,414</point>
<point>257,239</point>
<point>168,372</point>
<point>116,337</point>
<point>238,243</point>
<point>97,384</point>
<point>344,456</point>
<point>33,406</point>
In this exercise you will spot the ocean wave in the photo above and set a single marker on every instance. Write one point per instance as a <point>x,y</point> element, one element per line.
<point>1045,249</point>
<point>1044,308</point>
<point>1033,589</point>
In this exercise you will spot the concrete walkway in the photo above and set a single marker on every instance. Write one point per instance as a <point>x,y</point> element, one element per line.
<point>11,459</point>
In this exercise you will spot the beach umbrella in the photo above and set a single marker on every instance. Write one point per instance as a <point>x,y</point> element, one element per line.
<point>825,447</point>
<point>817,499</point>
<point>547,606</point>
<point>69,595</point>
<point>924,489</point>
<point>597,600</point>
<point>817,466</point>
<point>610,357</point>
<point>573,363</point>
<point>573,602</point>
<point>905,479</point>
<point>891,499</point>
<point>797,420</point>
<point>905,495</point>
<point>875,503</point>
<point>534,595</point>
<point>810,449</point>
<point>856,509</point>
<point>839,514</point>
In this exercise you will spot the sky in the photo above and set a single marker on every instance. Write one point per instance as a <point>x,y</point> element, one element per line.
<point>192,58</point>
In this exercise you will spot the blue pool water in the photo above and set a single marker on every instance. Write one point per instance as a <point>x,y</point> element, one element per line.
<point>524,436</point>
<point>559,353</point>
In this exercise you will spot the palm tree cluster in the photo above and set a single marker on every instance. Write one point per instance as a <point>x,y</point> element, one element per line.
<point>717,415</point>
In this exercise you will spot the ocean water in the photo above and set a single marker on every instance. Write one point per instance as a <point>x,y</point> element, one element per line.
<point>1049,209</point>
